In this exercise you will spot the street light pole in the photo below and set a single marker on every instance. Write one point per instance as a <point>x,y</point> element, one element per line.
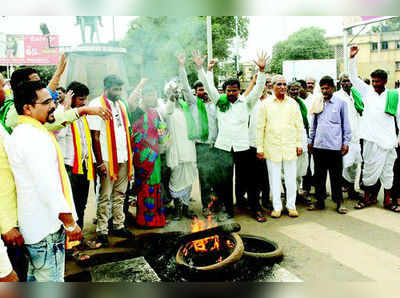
<point>345,51</point>
<point>237,43</point>
<point>113,25</point>
<point>209,40</point>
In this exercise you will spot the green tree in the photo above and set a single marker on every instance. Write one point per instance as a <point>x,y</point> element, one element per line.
<point>307,43</point>
<point>153,42</point>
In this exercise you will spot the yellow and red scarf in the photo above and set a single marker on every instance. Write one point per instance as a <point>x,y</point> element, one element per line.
<point>111,143</point>
<point>66,188</point>
<point>76,136</point>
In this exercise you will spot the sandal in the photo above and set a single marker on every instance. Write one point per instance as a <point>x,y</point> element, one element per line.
<point>90,244</point>
<point>341,210</point>
<point>361,205</point>
<point>395,206</point>
<point>260,218</point>
<point>316,206</point>
<point>83,260</point>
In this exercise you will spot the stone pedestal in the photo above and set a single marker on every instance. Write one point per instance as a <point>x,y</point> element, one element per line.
<point>132,270</point>
<point>90,64</point>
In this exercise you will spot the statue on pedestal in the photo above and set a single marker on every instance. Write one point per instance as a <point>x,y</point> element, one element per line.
<point>93,23</point>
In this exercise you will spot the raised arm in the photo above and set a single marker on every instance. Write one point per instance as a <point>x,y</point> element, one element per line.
<point>187,91</point>
<point>211,90</point>
<point>256,93</point>
<point>62,64</point>
<point>359,84</point>
<point>251,85</point>
<point>135,94</point>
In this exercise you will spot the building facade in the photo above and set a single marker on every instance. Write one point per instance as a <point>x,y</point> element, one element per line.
<point>377,51</point>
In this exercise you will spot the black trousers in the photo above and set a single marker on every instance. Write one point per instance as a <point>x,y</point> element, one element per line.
<point>224,178</point>
<point>80,192</point>
<point>332,161</point>
<point>206,154</point>
<point>242,160</point>
<point>258,182</point>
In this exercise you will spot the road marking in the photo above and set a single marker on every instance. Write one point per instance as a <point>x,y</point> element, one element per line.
<point>371,262</point>
<point>280,274</point>
<point>378,217</point>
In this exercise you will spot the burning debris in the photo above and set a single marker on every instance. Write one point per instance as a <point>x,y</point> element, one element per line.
<point>209,250</point>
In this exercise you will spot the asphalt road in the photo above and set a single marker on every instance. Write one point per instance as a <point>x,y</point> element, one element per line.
<point>363,245</point>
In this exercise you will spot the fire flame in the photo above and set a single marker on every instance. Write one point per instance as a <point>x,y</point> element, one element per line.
<point>207,244</point>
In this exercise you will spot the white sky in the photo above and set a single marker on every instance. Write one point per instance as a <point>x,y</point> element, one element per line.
<point>263,31</point>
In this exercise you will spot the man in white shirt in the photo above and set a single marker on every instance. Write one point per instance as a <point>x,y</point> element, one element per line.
<point>7,274</point>
<point>71,141</point>
<point>111,151</point>
<point>377,129</point>
<point>45,207</point>
<point>233,111</point>
<point>352,160</point>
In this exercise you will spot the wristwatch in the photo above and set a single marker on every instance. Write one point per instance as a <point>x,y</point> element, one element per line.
<point>70,229</point>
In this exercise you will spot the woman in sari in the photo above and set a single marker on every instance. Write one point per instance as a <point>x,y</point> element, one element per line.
<point>146,159</point>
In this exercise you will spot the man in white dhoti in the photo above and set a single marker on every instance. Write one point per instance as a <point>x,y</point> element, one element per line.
<point>377,129</point>
<point>181,152</point>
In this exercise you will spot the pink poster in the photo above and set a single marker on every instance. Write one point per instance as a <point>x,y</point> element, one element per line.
<point>368,18</point>
<point>29,50</point>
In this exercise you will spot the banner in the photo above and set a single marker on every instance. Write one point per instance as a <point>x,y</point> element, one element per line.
<point>20,49</point>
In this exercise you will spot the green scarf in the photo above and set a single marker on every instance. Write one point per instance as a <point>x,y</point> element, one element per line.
<point>203,120</point>
<point>191,126</point>
<point>223,103</point>
<point>358,104</point>
<point>303,110</point>
<point>4,111</point>
<point>392,100</point>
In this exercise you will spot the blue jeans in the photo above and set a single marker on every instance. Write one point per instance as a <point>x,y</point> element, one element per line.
<point>47,258</point>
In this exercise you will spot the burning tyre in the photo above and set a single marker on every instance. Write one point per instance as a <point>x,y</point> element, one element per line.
<point>211,253</point>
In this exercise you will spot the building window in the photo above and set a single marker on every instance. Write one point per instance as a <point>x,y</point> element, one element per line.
<point>374,46</point>
<point>384,45</point>
<point>397,44</point>
<point>397,65</point>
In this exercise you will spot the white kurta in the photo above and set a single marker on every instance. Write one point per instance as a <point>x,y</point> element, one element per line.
<point>377,128</point>
<point>181,152</point>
